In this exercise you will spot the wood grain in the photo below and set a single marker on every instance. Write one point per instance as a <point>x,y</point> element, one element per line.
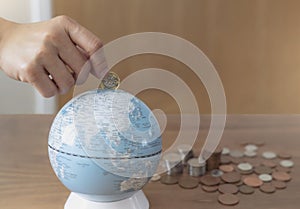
<point>254,45</point>
<point>27,180</point>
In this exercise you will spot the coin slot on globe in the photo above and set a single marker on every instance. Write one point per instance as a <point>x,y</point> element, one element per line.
<point>104,145</point>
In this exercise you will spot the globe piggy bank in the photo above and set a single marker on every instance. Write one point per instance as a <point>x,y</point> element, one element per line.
<point>104,145</point>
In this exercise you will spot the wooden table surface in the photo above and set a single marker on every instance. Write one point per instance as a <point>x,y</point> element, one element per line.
<point>27,180</point>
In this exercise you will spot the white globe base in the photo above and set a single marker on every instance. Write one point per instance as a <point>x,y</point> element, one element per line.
<point>136,201</point>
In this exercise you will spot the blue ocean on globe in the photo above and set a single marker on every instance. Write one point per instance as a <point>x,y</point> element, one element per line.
<point>105,145</point>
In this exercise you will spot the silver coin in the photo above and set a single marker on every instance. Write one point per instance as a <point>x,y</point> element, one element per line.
<point>216,173</point>
<point>245,166</point>
<point>196,167</point>
<point>249,153</point>
<point>286,163</point>
<point>251,147</point>
<point>269,155</point>
<point>236,154</point>
<point>265,177</point>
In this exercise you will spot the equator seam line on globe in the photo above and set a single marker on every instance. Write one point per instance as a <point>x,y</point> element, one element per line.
<point>105,158</point>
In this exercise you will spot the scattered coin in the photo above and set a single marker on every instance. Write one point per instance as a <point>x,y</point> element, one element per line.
<point>236,154</point>
<point>284,155</point>
<point>265,177</point>
<point>110,81</point>
<point>249,153</point>
<point>279,184</point>
<point>253,181</point>
<point>286,163</point>
<point>216,173</point>
<point>228,189</point>
<point>269,155</point>
<point>245,167</point>
<point>251,147</point>
<point>231,177</point>
<point>209,180</point>
<point>155,177</point>
<point>281,176</point>
<point>244,189</point>
<point>228,199</point>
<point>263,170</point>
<point>225,151</point>
<point>210,188</point>
<point>226,168</point>
<point>269,163</point>
<point>169,180</point>
<point>188,182</point>
<point>267,188</point>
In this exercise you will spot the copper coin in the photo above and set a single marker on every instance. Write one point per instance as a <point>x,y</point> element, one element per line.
<point>244,189</point>
<point>209,180</point>
<point>269,163</point>
<point>228,199</point>
<point>169,180</point>
<point>267,188</point>
<point>231,177</point>
<point>281,176</point>
<point>285,155</point>
<point>228,189</point>
<point>226,168</point>
<point>225,159</point>
<point>279,184</point>
<point>283,169</point>
<point>253,181</point>
<point>237,160</point>
<point>188,182</point>
<point>263,170</point>
<point>210,188</point>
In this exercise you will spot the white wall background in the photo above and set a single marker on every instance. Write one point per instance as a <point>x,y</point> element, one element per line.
<point>17,97</point>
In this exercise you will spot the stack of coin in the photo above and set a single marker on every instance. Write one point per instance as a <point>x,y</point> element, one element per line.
<point>173,163</point>
<point>214,160</point>
<point>196,167</point>
<point>186,152</point>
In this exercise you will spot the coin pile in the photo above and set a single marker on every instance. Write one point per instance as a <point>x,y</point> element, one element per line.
<point>245,170</point>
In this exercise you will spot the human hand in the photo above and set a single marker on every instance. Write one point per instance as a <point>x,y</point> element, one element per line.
<point>51,55</point>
